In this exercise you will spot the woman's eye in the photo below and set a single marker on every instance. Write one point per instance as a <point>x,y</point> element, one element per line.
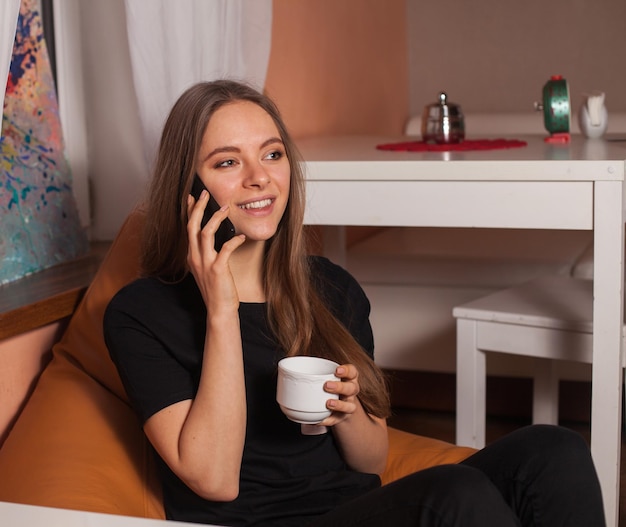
<point>275,155</point>
<point>226,163</point>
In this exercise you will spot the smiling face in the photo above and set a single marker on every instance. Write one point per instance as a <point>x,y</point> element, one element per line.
<point>242,162</point>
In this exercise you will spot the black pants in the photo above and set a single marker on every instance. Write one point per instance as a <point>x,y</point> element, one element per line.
<point>537,476</point>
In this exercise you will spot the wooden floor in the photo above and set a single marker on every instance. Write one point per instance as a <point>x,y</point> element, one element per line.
<point>441,425</point>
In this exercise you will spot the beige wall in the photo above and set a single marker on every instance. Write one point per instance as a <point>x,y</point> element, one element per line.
<point>364,66</point>
<point>340,67</point>
<point>496,55</point>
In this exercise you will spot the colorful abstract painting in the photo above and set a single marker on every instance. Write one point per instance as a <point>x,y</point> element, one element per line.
<point>39,220</point>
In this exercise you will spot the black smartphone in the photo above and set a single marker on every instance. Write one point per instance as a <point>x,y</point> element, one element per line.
<point>226,230</point>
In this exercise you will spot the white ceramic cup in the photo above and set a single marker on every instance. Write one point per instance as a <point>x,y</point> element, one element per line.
<point>300,388</point>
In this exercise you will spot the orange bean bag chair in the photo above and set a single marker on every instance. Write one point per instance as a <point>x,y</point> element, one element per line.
<point>78,445</point>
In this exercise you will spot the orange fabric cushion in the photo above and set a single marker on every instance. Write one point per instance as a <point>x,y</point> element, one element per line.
<point>409,453</point>
<point>78,446</point>
<point>83,340</point>
<point>77,443</point>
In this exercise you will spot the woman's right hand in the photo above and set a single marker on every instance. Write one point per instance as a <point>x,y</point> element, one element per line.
<point>210,268</point>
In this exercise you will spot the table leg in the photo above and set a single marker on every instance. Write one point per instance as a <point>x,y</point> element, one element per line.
<point>471,375</point>
<point>546,392</point>
<point>608,317</point>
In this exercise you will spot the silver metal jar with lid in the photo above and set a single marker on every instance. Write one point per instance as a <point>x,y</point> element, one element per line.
<point>442,122</point>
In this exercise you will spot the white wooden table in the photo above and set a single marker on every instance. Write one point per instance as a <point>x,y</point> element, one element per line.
<point>540,186</point>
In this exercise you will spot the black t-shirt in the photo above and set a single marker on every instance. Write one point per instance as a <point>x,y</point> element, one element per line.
<point>155,335</point>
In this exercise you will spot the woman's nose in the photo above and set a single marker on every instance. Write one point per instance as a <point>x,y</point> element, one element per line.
<point>257,175</point>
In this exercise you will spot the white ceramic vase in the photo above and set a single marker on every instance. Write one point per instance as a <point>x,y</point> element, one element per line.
<point>593,117</point>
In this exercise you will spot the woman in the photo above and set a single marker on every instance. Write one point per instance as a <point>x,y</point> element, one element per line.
<point>197,340</point>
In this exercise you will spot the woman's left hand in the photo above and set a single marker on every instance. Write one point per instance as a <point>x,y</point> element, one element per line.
<point>347,388</point>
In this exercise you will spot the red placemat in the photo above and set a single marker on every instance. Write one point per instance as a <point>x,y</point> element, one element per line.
<point>475,144</point>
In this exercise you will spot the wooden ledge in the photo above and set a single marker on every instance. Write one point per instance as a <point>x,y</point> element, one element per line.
<point>49,295</point>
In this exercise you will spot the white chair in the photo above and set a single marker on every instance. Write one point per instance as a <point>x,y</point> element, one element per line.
<point>549,317</point>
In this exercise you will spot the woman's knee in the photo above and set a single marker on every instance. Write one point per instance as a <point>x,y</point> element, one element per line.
<point>457,492</point>
<point>554,442</point>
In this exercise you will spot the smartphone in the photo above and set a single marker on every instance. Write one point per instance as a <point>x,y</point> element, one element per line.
<point>226,230</point>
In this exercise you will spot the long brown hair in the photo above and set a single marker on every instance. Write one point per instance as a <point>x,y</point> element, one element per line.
<point>298,317</point>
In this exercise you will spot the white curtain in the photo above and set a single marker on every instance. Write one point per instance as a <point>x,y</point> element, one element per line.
<point>9,11</point>
<point>176,44</point>
<point>137,57</point>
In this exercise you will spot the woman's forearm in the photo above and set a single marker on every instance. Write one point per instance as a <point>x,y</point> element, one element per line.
<point>215,429</point>
<point>202,440</point>
<point>363,441</point>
